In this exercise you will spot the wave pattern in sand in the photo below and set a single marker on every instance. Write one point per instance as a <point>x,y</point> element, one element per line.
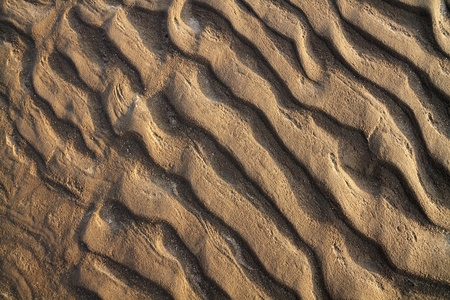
<point>214,149</point>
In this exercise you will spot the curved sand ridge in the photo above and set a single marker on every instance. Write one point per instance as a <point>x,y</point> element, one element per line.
<point>240,149</point>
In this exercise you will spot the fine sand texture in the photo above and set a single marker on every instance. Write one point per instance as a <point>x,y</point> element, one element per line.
<point>224,149</point>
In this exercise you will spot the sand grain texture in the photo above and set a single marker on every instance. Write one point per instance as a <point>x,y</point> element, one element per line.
<point>224,149</point>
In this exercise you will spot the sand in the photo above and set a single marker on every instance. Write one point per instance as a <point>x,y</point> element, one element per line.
<point>225,149</point>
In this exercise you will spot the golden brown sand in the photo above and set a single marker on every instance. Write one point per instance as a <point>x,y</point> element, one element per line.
<point>216,149</point>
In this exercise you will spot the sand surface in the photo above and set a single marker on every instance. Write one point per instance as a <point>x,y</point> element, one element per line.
<point>225,149</point>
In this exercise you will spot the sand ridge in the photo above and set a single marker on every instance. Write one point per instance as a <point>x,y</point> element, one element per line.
<point>209,149</point>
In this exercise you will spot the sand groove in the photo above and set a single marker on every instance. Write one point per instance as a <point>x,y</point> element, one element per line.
<point>208,149</point>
